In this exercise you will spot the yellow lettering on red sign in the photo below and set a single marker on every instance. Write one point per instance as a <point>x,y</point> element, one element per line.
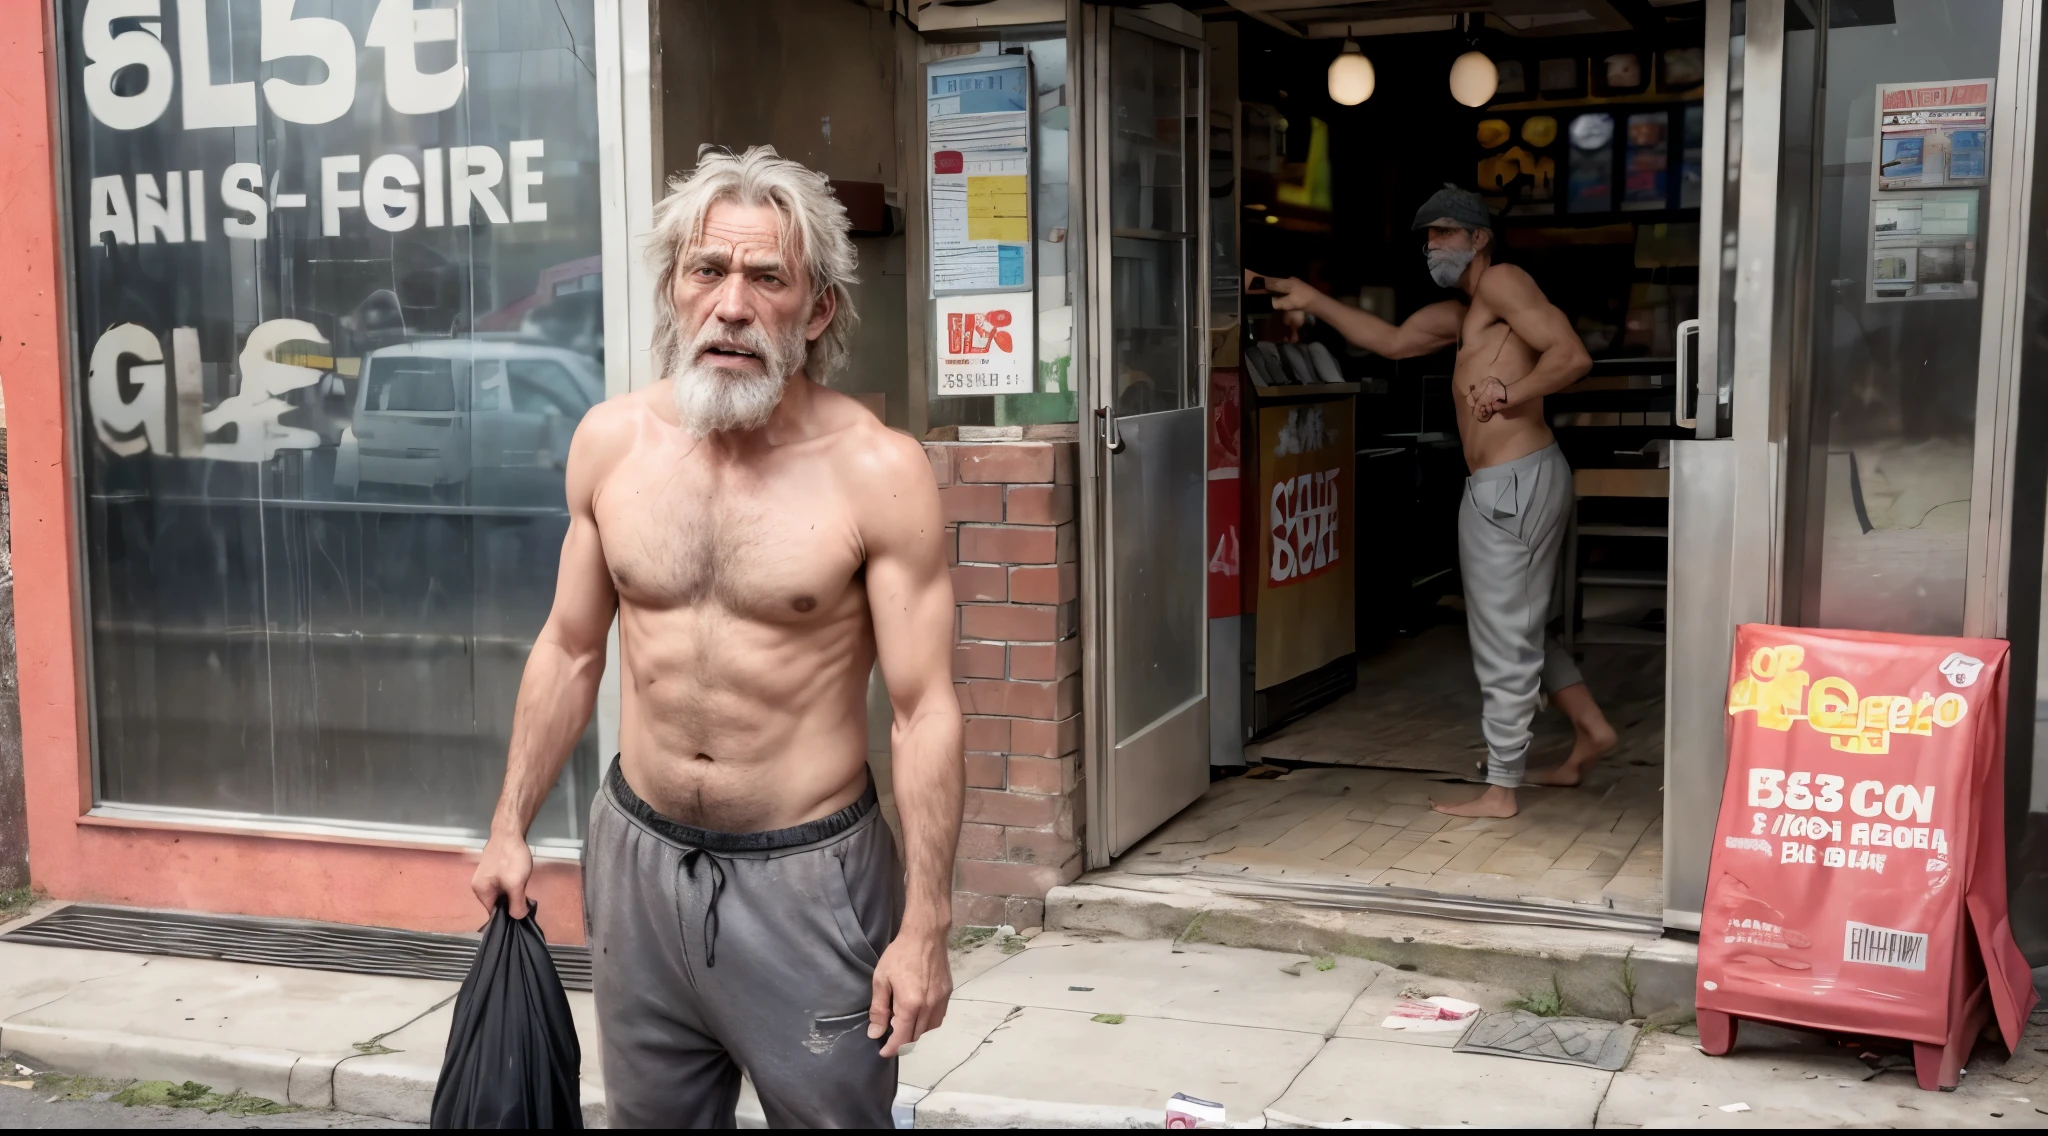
<point>1779,694</point>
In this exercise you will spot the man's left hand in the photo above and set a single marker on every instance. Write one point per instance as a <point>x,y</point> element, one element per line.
<point>913,983</point>
<point>1488,397</point>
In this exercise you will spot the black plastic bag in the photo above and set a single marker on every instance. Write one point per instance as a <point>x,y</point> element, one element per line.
<point>513,1058</point>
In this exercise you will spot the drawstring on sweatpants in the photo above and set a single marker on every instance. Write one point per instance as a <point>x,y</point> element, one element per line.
<point>690,858</point>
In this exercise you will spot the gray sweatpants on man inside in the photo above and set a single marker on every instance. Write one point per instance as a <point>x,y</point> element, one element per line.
<point>1511,529</point>
<point>713,952</point>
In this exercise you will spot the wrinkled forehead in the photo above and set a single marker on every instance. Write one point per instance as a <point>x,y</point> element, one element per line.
<point>754,236</point>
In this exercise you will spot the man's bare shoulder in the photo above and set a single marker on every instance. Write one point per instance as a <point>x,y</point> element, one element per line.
<point>1507,286</point>
<point>860,443</point>
<point>608,432</point>
<point>886,475</point>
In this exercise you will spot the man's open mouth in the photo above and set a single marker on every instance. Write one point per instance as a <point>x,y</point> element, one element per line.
<point>728,353</point>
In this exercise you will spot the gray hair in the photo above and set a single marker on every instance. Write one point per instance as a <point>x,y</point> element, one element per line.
<point>814,234</point>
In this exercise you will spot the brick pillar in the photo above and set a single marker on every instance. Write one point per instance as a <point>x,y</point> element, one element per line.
<point>1014,545</point>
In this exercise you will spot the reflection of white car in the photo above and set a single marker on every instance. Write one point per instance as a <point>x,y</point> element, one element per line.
<point>496,414</point>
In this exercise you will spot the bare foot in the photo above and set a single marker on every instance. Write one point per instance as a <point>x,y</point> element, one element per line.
<point>1496,801</point>
<point>1593,740</point>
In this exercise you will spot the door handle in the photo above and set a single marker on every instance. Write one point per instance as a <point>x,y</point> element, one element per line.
<point>1113,440</point>
<point>1686,379</point>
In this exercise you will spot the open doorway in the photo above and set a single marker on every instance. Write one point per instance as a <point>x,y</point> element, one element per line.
<point>1345,687</point>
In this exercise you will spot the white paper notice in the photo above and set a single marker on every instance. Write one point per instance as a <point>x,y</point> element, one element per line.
<point>978,175</point>
<point>986,344</point>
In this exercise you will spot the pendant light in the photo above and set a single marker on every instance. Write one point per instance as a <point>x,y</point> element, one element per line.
<point>1351,76</point>
<point>1474,78</point>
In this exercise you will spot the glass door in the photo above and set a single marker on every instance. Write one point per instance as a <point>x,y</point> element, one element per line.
<point>1148,424</point>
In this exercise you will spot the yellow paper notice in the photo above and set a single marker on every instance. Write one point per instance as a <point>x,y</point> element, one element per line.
<point>997,208</point>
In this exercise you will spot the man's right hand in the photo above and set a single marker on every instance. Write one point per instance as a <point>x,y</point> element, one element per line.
<point>1291,298</point>
<point>507,863</point>
<point>1290,294</point>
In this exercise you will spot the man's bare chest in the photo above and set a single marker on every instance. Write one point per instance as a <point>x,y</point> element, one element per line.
<point>782,549</point>
<point>1489,348</point>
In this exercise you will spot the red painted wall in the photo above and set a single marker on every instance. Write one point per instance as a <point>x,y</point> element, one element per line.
<point>147,867</point>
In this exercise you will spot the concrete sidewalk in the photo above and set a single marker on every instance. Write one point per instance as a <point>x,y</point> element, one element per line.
<point>1064,1030</point>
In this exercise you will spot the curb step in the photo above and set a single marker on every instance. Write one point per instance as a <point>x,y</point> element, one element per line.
<point>1608,973</point>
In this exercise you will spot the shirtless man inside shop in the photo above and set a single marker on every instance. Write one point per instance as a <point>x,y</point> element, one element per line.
<point>762,541</point>
<point>1514,347</point>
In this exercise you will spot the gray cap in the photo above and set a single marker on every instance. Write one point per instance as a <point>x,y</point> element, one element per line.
<point>1461,206</point>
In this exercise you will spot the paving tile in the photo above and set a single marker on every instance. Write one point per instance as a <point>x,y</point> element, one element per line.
<point>1509,862</point>
<point>1475,853</point>
<point>1795,1080</point>
<point>968,1024</point>
<point>1415,1085</point>
<point>1429,823</point>
<point>315,1011</point>
<point>1579,887</point>
<point>1333,840</point>
<point>1065,1056</point>
<point>33,976</point>
<point>1308,831</point>
<point>1396,877</point>
<point>1391,853</point>
<point>1373,838</point>
<point>1389,986</point>
<point>1481,885</point>
<point>1642,895</point>
<point>1401,816</point>
<point>1199,983</point>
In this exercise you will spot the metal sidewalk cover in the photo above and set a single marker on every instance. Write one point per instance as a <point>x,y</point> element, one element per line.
<point>301,943</point>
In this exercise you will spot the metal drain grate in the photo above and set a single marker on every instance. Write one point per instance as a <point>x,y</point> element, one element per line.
<point>275,942</point>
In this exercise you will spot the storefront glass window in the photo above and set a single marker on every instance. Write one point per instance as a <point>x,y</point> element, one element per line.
<point>336,272</point>
<point>1902,162</point>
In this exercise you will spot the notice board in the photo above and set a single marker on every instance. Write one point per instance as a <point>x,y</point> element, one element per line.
<point>978,189</point>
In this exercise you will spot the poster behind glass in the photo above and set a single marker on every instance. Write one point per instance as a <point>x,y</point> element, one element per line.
<point>336,270</point>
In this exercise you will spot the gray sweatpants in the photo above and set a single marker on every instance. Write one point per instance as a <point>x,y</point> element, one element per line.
<point>714,952</point>
<point>1511,529</point>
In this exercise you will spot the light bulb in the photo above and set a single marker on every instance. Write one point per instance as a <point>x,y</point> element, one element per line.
<point>1351,76</point>
<point>1474,78</point>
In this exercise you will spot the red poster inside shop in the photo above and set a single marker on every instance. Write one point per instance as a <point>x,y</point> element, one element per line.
<point>1858,873</point>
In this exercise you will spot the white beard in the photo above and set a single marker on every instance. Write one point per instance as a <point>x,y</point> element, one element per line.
<point>713,398</point>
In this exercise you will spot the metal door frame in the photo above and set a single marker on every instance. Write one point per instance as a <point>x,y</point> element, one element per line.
<point>1095,352</point>
<point>2010,192</point>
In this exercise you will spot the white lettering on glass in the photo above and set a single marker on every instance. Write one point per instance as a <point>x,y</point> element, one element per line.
<point>397,28</point>
<point>386,203</point>
<point>127,425</point>
<point>234,196</point>
<point>284,36</point>
<point>208,103</point>
<point>111,54</point>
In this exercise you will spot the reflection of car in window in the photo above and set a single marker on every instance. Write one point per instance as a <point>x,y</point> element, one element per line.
<point>493,416</point>
<point>401,383</point>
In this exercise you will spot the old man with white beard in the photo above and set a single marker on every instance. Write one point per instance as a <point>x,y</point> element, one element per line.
<point>763,541</point>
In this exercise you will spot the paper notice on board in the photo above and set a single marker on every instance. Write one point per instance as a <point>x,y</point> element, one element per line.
<point>1932,153</point>
<point>1933,135</point>
<point>978,131</point>
<point>996,209</point>
<point>986,344</point>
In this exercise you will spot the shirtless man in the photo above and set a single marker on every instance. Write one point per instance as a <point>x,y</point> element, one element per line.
<point>762,540</point>
<point>1513,348</point>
